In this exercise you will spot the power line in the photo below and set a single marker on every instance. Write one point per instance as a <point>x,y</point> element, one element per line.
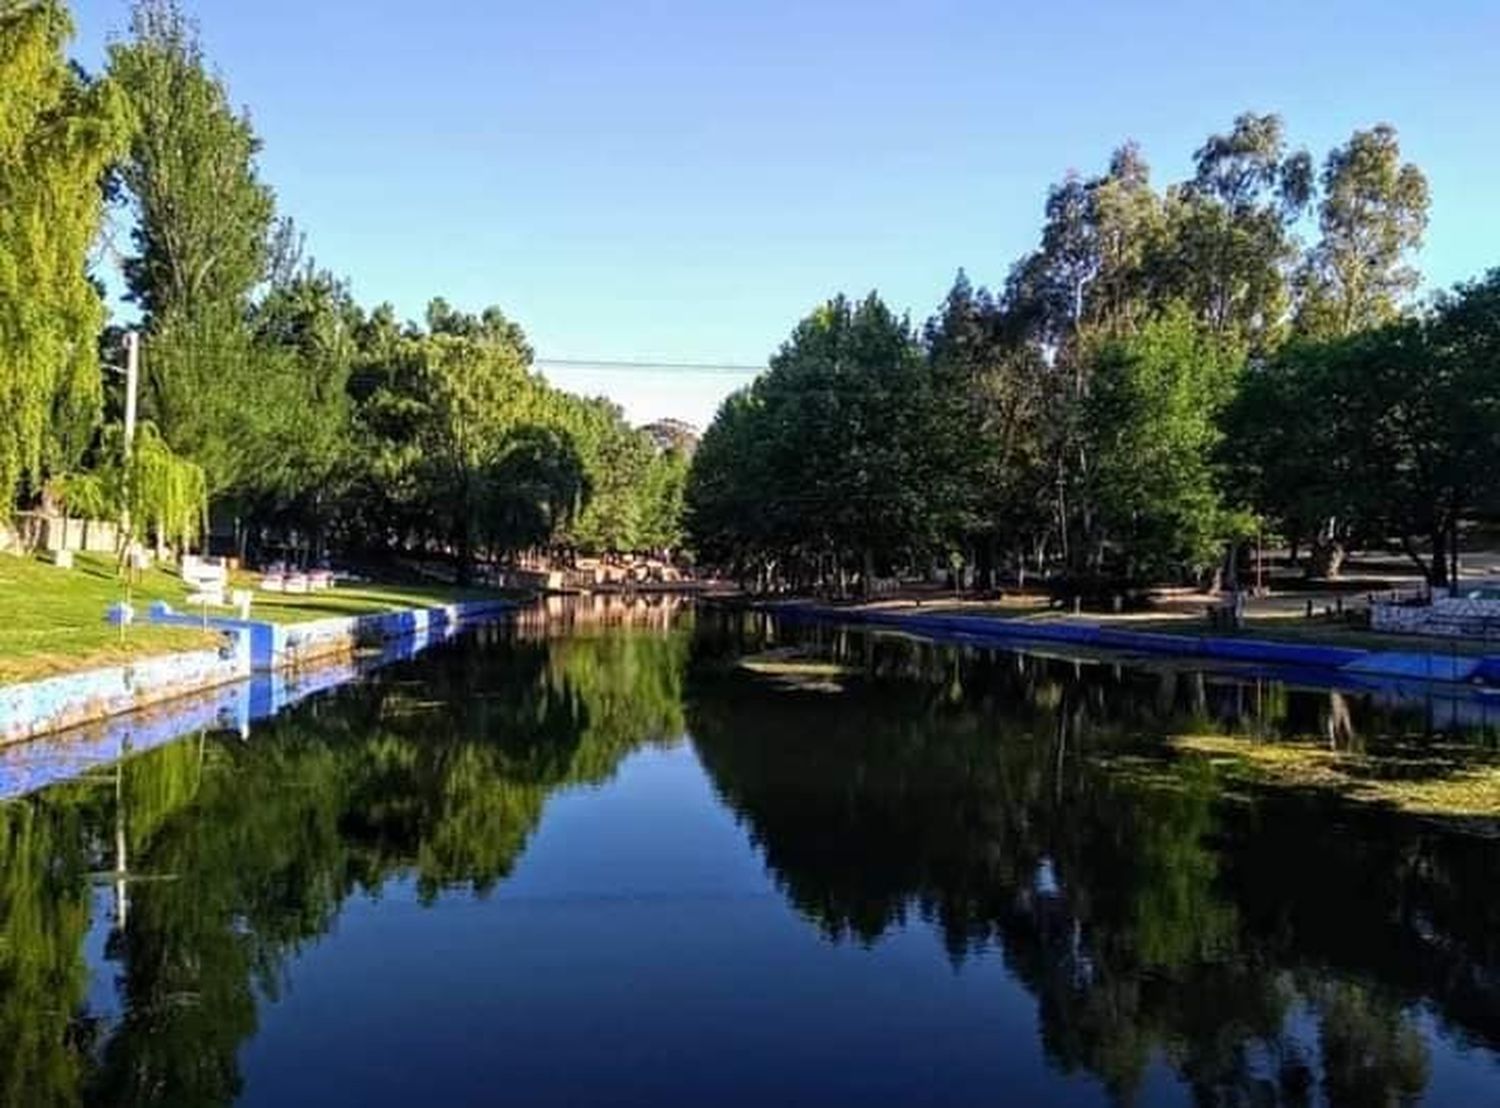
<point>638,365</point>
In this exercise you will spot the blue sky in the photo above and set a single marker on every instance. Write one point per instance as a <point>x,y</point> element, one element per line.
<point>682,181</point>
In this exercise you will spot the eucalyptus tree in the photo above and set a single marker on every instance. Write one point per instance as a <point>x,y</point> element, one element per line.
<point>1094,275</point>
<point>1230,251</point>
<point>1372,216</point>
<point>59,129</point>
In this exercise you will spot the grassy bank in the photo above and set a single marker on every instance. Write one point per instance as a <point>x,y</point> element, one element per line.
<point>52,620</point>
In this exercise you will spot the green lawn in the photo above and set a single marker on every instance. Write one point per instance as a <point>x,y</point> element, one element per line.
<point>52,620</point>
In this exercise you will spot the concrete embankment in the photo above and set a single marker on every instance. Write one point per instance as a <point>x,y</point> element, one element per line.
<point>64,755</point>
<point>250,648</point>
<point>1351,662</point>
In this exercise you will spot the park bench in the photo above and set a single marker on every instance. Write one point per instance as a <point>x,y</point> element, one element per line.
<point>207,578</point>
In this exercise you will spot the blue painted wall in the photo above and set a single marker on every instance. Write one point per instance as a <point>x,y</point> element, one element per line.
<point>250,646</point>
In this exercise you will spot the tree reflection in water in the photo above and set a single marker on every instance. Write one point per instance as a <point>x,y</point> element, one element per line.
<point>1268,948</point>
<point>1271,949</point>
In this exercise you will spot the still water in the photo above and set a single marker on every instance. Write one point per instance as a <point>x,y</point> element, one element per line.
<point>566,863</point>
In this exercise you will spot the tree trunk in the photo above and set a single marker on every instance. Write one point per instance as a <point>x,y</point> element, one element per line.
<point>1437,569</point>
<point>1326,559</point>
<point>1453,548</point>
<point>464,572</point>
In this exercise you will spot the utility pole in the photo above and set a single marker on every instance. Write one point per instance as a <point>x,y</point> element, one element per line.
<point>132,372</point>
<point>132,385</point>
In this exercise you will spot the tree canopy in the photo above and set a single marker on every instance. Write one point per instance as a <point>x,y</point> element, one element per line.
<point>1168,371</point>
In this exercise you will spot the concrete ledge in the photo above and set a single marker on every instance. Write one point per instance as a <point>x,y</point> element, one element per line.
<point>61,756</point>
<point>1420,667</point>
<point>250,648</point>
<point>37,707</point>
<point>276,646</point>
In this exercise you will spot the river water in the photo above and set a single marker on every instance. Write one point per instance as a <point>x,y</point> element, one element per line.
<point>565,862</point>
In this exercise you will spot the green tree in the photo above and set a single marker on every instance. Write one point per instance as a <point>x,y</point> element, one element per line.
<point>987,432</point>
<point>1372,216</point>
<point>833,438</point>
<point>203,238</point>
<point>203,234</point>
<point>59,130</point>
<point>1152,419</point>
<point>1228,249</point>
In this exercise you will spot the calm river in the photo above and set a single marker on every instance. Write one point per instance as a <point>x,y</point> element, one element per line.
<point>569,863</point>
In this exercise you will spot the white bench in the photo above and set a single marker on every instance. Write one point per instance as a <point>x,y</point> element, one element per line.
<point>207,578</point>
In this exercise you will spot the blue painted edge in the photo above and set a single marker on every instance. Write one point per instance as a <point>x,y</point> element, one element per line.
<point>276,645</point>
<point>50,758</point>
<point>1421,666</point>
<point>35,708</point>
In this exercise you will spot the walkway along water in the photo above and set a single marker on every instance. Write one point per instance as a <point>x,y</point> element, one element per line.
<point>251,647</point>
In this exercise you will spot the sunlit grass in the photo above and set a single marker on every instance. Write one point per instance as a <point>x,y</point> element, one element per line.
<point>52,620</point>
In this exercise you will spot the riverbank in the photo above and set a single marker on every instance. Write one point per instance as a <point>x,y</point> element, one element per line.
<point>82,669</point>
<point>247,648</point>
<point>54,618</point>
<point>233,707</point>
<point>1358,659</point>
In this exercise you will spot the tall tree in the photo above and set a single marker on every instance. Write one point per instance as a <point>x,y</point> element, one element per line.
<point>1230,252</point>
<point>203,240</point>
<point>834,441</point>
<point>58,131</point>
<point>203,236</point>
<point>987,434</point>
<point>1372,217</point>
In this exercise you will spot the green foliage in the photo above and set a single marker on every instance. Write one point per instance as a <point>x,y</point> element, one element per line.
<point>1152,421</point>
<point>157,492</point>
<point>203,235</point>
<point>830,440</point>
<point>1372,216</point>
<point>58,132</point>
<point>1392,433</point>
<point>458,445</point>
<point>1128,402</point>
<point>203,239</point>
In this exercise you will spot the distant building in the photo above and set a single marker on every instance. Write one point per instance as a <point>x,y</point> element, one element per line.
<point>673,434</point>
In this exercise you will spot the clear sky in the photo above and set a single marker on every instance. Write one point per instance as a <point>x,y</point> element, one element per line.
<point>682,181</point>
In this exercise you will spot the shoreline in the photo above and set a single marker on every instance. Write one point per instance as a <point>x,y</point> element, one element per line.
<point>1357,663</point>
<point>253,649</point>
